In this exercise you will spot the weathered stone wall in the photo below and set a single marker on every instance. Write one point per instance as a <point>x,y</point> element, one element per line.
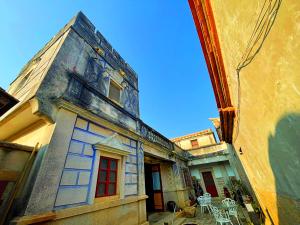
<point>221,172</point>
<point>45,185</point>
<point>81,164</point>
<point>80,75</point>
<point>203,140</point>
<point>268,128</point>
<point>77,65</point>
<point>220,148</point>
<point>68,80</point>
<point>170,184</point>
<point>28,81</point>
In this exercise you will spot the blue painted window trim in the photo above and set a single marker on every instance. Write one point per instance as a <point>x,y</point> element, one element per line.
<point>79,170</point>
<point>131,195</point>
<point>131,183</point>
<point>73,186</point>
<point>129,146</point>
<point>70,205</point>
<point>80,155</point>
<point>86,131</point>
<point>130,163</point>
<point>97,124</point>
<point>130,173</point>
<point>91,175</point>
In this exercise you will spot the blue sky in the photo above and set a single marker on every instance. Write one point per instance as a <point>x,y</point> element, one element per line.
<point>157,38</point>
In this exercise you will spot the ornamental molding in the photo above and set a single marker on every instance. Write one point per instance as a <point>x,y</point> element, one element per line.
<point>112,144</point>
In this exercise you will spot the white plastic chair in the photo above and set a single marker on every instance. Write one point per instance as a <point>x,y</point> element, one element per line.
<point>226,201</point>
<point>219,217</point>
<point>207,195</point>
<point>207,199</point>
<point>203,204</point>
<point>232,210</point>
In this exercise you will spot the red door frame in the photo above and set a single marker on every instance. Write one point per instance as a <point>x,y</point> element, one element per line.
<point>210,183</point>
<point>156,168</point>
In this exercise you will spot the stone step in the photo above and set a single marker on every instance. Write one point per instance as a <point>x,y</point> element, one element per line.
<point>178,221</point>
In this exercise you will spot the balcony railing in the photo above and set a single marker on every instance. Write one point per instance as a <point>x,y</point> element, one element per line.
<point>153,136</point>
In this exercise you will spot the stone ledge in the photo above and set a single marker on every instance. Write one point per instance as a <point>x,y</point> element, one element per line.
<point>14,146</point>
<point>38,218</point>
<point>65,213</point>
<point>70,212</point>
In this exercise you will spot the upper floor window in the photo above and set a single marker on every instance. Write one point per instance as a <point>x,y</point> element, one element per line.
<point>107,177</point>
<point>194,143</point>
<point>114,92</point>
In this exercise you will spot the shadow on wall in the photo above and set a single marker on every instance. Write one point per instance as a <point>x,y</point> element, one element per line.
<point>284,155</point>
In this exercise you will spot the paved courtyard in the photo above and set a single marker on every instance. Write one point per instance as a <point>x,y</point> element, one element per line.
<point>166,218</point>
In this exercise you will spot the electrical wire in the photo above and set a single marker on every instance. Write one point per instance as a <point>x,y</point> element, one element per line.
<point>263,25</point>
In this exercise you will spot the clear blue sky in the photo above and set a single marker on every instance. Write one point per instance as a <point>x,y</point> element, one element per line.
<point>157,38</point>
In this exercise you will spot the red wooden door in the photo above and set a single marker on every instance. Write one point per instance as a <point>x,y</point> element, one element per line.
<point>210,184</point>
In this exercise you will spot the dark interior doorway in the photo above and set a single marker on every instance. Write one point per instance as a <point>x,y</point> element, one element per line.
<point>149,189</point>
<point>153,188</point>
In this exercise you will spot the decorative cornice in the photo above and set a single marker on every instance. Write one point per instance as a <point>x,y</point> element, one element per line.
<point>111,144</point>
<point>93,90</point>
<point>196,134</point>
<point>207,32</point>
<point>62,103</point>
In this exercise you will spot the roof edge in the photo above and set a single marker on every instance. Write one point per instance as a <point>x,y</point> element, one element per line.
<point>204,20</point>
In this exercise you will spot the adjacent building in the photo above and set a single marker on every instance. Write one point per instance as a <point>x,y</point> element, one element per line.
<point>97,162</point>
<point>252,53</point>
<point>210,161</point>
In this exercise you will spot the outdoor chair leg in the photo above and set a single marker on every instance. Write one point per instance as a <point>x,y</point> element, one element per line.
<point>227,214</point>
<point>238,220</point>
<point>209,210</point>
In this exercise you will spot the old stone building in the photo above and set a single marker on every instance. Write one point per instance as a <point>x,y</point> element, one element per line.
<point>252,53</point>
<point>210,164</point>
<point>97,162</point>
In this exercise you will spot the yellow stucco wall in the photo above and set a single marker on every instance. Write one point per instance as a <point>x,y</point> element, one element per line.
<point>269,125</point>
<point>38,132</point>
<point>203,140</point>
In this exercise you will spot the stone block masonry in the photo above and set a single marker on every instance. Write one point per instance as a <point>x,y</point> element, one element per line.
<point>87,30</point>
<point>76,180</point>
<point>131,170</point>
